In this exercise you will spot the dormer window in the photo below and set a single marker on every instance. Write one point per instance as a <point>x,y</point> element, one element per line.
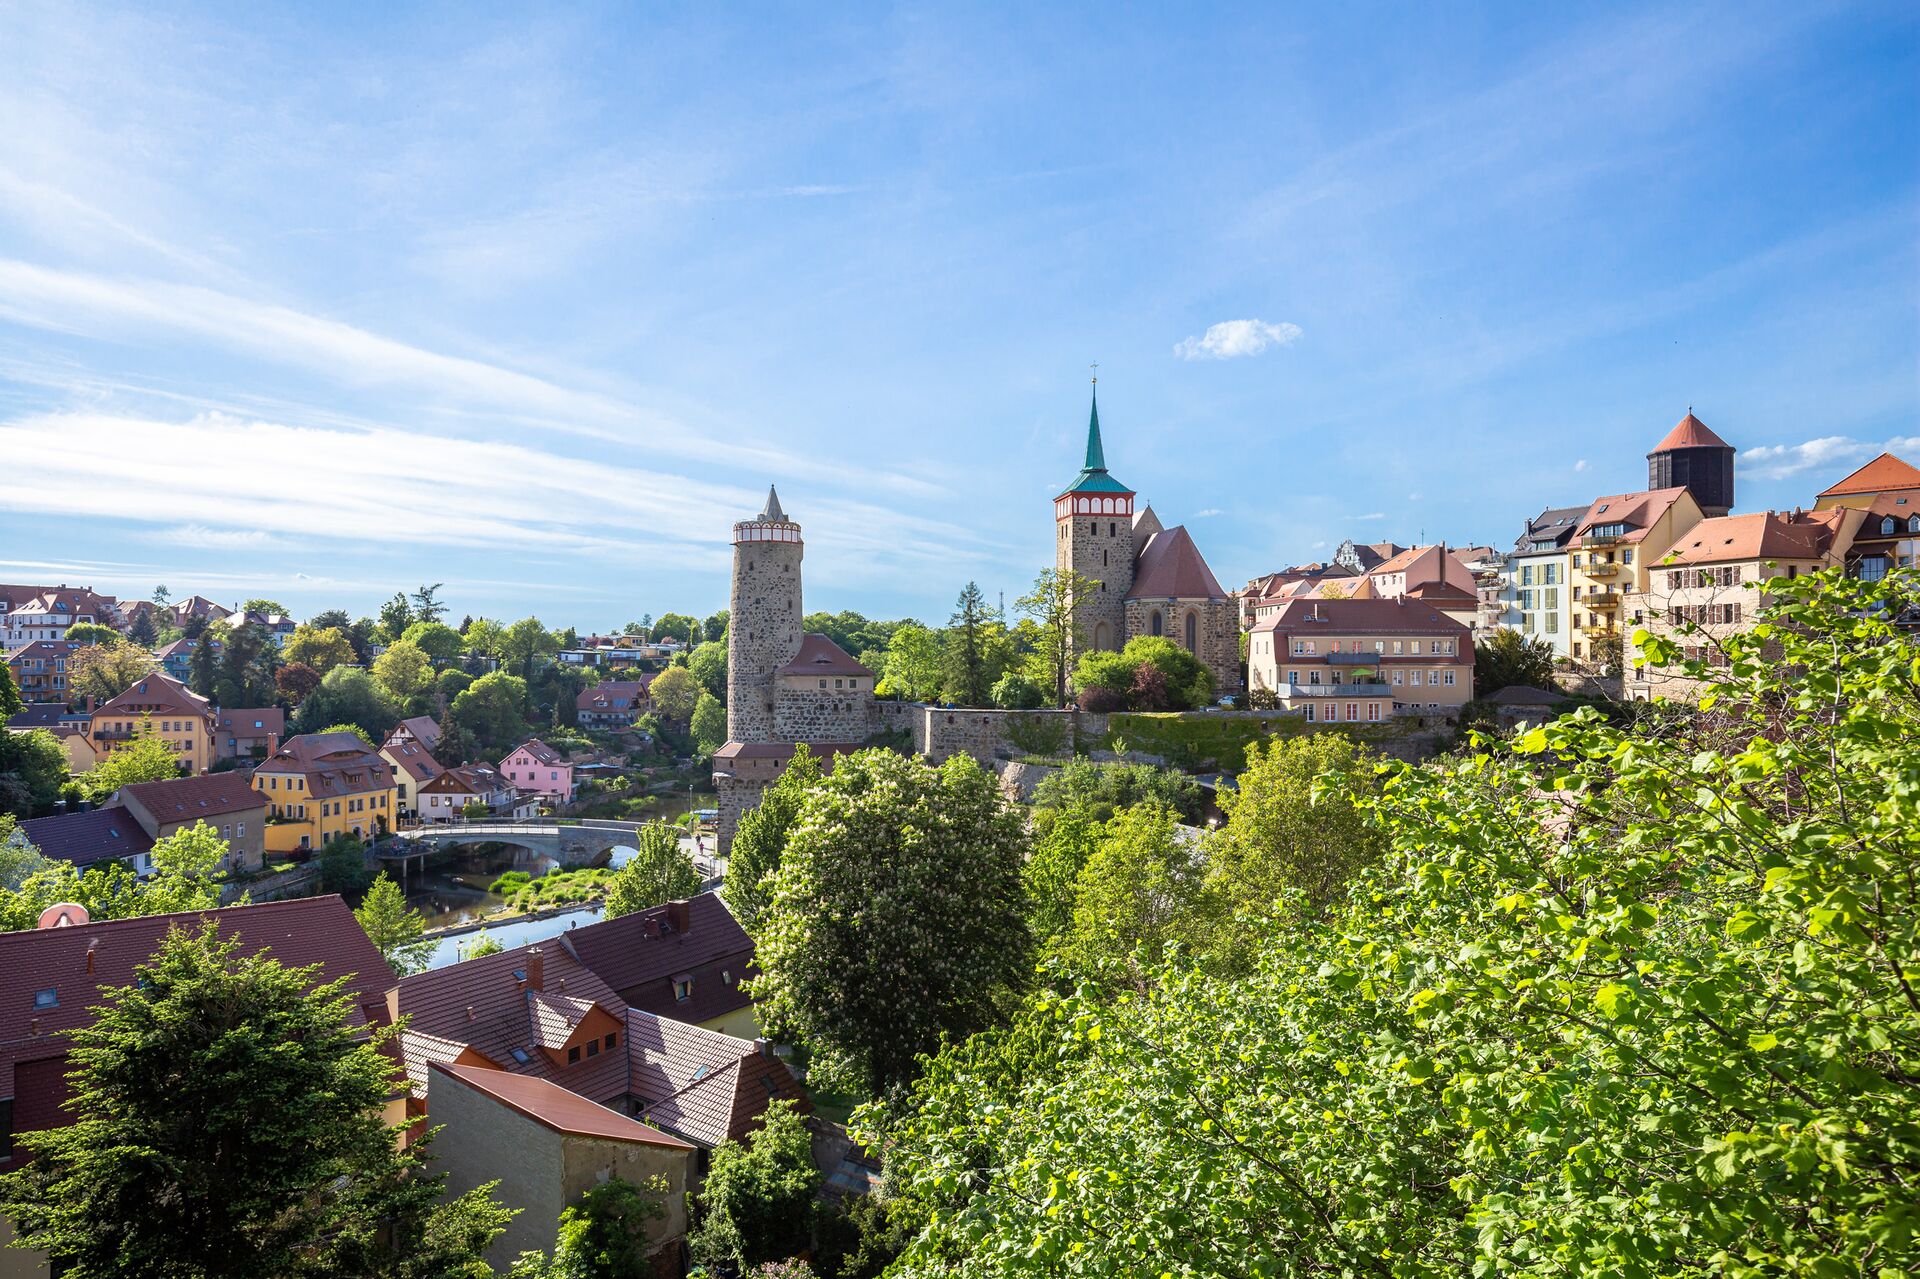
<point>48,998</point>
<point>682,989</point>
<point>573,1056</point>
<point>1886,525</point>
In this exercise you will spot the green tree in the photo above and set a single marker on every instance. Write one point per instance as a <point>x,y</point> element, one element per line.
<point>427,607</point>
<point>1100,789</point>
<point>525,643</point>
<point>248,664</point>
<point>604,1235</point>
<point>452,683</point>
<point>1507,657</point>
<point>395,929</point>
<point>1050,607</point>
<point>1619,999</point>
<point>677,626</point>
<point>658,872</point>
<point>709,724</point>
<point>1141,889</point>
<point>757,1201</point>
<point>761,839</point>
<point>1293,831</point>
<point>142,631</point>
<point>928,862</point>
<point>92,633</point>
<point>322,649</point>
<point>161,1173</point>
<point>1015,692</point>
<point>18,857</point>
<point>708,664</point>
<point>142,758</point>
<point>405,671</point>
<point>486,638</point>
<point>343,866</point>
<point>437,640</point>
<point>715,627</point>
<point>1052,875</point>
<point>204,665</point>
<point>10,703</point>
<point>913,664</point>
<point>264,606</point>
<point>186,866</point>
<point>493,709</point>
<point>1189,683</point>
<point>348,695</point>
<point>396,615</point>
<point>105,670</point>
<point>674,693</point>
<point>33,768</point>
<point>965,650</point>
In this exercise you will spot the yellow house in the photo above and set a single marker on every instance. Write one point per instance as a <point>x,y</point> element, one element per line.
<point>1618,540</point>
<point>169,710</point>
<point>1886,476</point>
<point>321,785</point>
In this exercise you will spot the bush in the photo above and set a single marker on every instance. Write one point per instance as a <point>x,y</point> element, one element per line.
<point>1101,701</point>
<point>510,883</point>
<point>343,866</point>
<point>1016,692</point>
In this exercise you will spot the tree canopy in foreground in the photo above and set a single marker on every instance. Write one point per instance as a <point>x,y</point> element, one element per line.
<point>1615,1001</point>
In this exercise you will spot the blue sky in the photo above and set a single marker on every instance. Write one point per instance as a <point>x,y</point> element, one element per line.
<point>324,302</point>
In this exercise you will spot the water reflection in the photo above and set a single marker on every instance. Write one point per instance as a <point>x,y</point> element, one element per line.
<point>453,890</point>
<point>517,932</point>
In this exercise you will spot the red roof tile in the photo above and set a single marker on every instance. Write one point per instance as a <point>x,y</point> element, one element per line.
<point>1170,567</point>
<point>258,721</point>
<point>1638,511</point>
<point>1885,473</point>
<point>102,835</point>
<point>701,1084</point>
<point>541,752</point>
<point>639,955</point>
<point>183,799</point>
<point>1762,535</point>
<point>1401,616</point>
<point>334,764</point>
<point>556,1108</point>
<point>819,655</point>
<point>1690,433</point>
<point>158,694</point>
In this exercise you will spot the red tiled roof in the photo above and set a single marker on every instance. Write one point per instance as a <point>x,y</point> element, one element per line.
<point>38,715</point>
<point>331,763</point>
<point>241,722</point>
<point>480,1002</point>
<point>602,695</point>
<point>1401,616</point>
<point>639,955</point>
<point>1638,511</point>
<point>45,649</point>
<point>701,1084</point>
<point>311,930</point>
<point>1170,567</point>
<point>1883,474</point>
<point>541,752</point>
<point>556,1108</point>
<point>1690,433</point>
<point>819,655</point>
<point>157,694</point>
<point>104,834</point>
<point>182,799</point>
<point>412,759</point>
<point>467,779</point>
<point>1762,535</point>
<point>425,729</point>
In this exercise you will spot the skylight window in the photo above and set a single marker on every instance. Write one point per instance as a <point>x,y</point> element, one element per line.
<point>520,1055</point>
<point>48,998</point>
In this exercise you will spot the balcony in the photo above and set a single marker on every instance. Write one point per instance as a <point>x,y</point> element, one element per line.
<point>1352,659</point>
<point>1605,568</point>
<point>1599,630</point>
<point>1339,690</point>
<point>1604,599</point>
<point>1603,539</point>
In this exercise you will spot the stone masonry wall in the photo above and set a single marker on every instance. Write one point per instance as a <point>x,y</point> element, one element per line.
<point>1218,626</point>
<point>1099,547</point>
<point>763,633</point>
<point>801,713</point>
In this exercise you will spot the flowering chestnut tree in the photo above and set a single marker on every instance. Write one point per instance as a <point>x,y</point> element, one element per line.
<point>897,915</point>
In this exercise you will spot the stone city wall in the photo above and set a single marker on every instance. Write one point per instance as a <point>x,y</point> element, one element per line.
<point>803,714</point>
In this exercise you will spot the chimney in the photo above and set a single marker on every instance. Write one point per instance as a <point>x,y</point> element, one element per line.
<point>469,1012</point>
<point>765,1046</point>
<point>92,945</point>
<point>680,915</point>
<point>536,969</point>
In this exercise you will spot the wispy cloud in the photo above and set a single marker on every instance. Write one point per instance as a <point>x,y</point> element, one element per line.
<point>1778,461</point>
<point>1231,339</point>
<point>200,537</point>
<point>1580,466</point>
<point>1377,515</point>
<point>1209,512</point>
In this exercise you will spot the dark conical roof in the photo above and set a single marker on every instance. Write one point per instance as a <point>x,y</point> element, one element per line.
<point>773,513</point>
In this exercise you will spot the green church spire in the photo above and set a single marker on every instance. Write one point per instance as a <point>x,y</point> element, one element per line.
<point>1093,477</point>
<point>1096,456</point>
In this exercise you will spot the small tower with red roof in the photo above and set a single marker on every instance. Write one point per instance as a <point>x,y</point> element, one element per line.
<point>1695,459</point>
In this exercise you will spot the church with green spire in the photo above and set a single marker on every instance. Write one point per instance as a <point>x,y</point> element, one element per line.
<point>1146,579</point>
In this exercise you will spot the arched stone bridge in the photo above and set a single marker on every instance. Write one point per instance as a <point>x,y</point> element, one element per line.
<point>579,842</point>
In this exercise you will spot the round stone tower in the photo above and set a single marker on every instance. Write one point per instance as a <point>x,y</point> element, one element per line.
<point>1694,458</point>
<point>1093,536</point>
<point>763,619</point>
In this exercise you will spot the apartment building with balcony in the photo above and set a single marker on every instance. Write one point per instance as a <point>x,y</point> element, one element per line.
<point>164,707</point>
<point>321,785</point>
<point>1362,660</point>
<point>1535,578</point>
<point>1709,585</point>
<point>1616,542</point>
<point>40,669</point>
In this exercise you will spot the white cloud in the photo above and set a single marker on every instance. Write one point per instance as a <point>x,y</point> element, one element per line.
<point>1210,511</point>
<point>200,537</point>
<point>1230,339</point>
<point>1778,461</point>
<point>1580,466</point>
<point>1377,515</point>
<point>1413,497</point>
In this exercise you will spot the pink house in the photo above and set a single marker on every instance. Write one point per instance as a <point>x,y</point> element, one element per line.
<point>535,766</point>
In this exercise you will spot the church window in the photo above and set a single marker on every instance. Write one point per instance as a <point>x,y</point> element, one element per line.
<point>1193,633</point>
<point>1154,624</point>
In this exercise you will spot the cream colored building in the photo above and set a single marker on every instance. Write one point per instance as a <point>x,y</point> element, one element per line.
<point>1608,558</point>
<point>1361,660</point>
<point>1707,587</point>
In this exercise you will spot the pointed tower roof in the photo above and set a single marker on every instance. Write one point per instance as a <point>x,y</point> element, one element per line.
<point>1690,433</point>
<point>1145,525</point>
<point>773,513</point>
<point>1093,477</point>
